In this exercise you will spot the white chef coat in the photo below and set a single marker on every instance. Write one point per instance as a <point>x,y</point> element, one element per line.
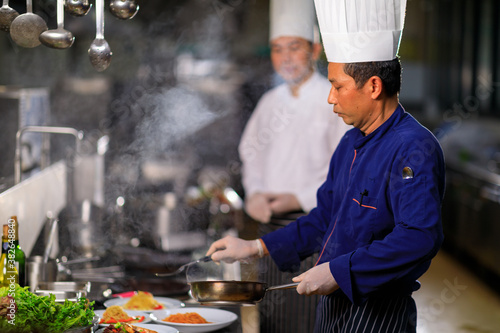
<point>288,141</point>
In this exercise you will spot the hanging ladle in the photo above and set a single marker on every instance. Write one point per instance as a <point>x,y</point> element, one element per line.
<point>123,9</point>
<point>7,15</point>
<point>25,30</point>
<point>77,7</point>
<point>99,51</point>
<point>58,38</point>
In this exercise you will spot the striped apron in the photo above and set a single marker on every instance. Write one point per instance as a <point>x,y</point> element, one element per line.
<point>336,314</point>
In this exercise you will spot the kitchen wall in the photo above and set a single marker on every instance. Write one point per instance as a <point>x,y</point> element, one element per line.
<point>32,200</point>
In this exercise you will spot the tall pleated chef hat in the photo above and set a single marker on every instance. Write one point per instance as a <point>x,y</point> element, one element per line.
<point>360,30</point>
<point>292,18</point>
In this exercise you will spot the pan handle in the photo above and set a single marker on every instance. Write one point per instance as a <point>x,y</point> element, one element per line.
<point>283,286</point>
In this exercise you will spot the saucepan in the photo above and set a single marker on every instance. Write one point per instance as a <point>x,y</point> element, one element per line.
<point>232,292</point>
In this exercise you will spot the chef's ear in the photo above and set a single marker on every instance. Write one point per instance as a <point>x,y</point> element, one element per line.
<point>375,87</point>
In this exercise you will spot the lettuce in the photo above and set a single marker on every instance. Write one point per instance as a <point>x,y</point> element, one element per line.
<point>24,312</point>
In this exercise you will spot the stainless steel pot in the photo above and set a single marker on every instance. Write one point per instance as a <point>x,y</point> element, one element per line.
<point>38,271</point>
<point>232,292</point>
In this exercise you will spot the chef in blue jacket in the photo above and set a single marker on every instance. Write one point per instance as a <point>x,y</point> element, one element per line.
<point>377,223</point>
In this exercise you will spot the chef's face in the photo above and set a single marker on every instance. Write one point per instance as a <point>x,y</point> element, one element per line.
<point>293,58</point>
<point>353,104</point>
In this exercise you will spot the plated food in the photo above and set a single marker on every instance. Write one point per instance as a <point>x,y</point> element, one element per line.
<point>216,318</point>
<point>186,318</point>
<point>116,314</point>
<point>138,327</point>
<point>144,301</point>
<point>126,328</point>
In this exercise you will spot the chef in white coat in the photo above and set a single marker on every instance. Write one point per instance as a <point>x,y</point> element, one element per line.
<point>292,133</point>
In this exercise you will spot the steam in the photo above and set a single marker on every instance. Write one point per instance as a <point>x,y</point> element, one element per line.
<point>172,116</point>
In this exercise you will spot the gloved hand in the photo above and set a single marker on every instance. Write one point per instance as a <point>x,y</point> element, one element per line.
<point>316,281</point>
<point>257,206</point>
<point>230,249</point>
<point>284,203</point>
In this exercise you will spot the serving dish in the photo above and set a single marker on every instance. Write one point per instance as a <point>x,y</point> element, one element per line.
<point>217,319</point>
<point>131,313</point>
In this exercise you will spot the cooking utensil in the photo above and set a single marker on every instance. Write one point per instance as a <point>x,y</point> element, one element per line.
<point>42,268</point>
<point>64,272</point>
<point>183,267</point>
<point>77,261</point>
<point>77,7</point>
<point>232,292</point>
<point>123,9</point>
<point>50,240</point>
<point>7,15</point>
<point>70,290</point>
<point>59,38</point>
<point>25,30</point>
<point>38,271</point>
<point>99,51</point>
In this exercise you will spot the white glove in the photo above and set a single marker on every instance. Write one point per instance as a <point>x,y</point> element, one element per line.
<point>257,206</point>
<point>230,249</point>
<point>316,281</point>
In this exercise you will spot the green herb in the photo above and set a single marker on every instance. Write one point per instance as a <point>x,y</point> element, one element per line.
<point>41,314</point>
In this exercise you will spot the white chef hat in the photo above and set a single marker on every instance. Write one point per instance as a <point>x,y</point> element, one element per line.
<point>292,18</point>
<point>360,30</point>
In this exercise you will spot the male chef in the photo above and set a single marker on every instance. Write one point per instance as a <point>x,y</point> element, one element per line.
<point>377,223</point>
<point>291,135</point>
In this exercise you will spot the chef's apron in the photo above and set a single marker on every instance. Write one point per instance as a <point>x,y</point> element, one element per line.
<point>336,314</point>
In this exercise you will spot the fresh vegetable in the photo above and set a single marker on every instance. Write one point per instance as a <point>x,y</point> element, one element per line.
<point>24,312</point>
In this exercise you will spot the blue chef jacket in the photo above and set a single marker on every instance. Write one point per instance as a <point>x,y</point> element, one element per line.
<point>376,228</point>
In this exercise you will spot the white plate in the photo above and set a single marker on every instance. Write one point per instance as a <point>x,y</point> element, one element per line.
<point>168,303</point>
<point>154,327</point>
<point>217,318</point>
<point>131,313</point>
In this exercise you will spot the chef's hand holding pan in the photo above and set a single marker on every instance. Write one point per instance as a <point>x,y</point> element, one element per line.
<point>316,281</point>
<point>230,249</point>
<point>258,207</point>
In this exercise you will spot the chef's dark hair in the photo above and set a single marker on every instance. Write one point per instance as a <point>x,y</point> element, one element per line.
<point>388,71</point>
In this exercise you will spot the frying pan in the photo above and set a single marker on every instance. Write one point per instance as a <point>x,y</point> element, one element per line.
<point>232,292</point>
